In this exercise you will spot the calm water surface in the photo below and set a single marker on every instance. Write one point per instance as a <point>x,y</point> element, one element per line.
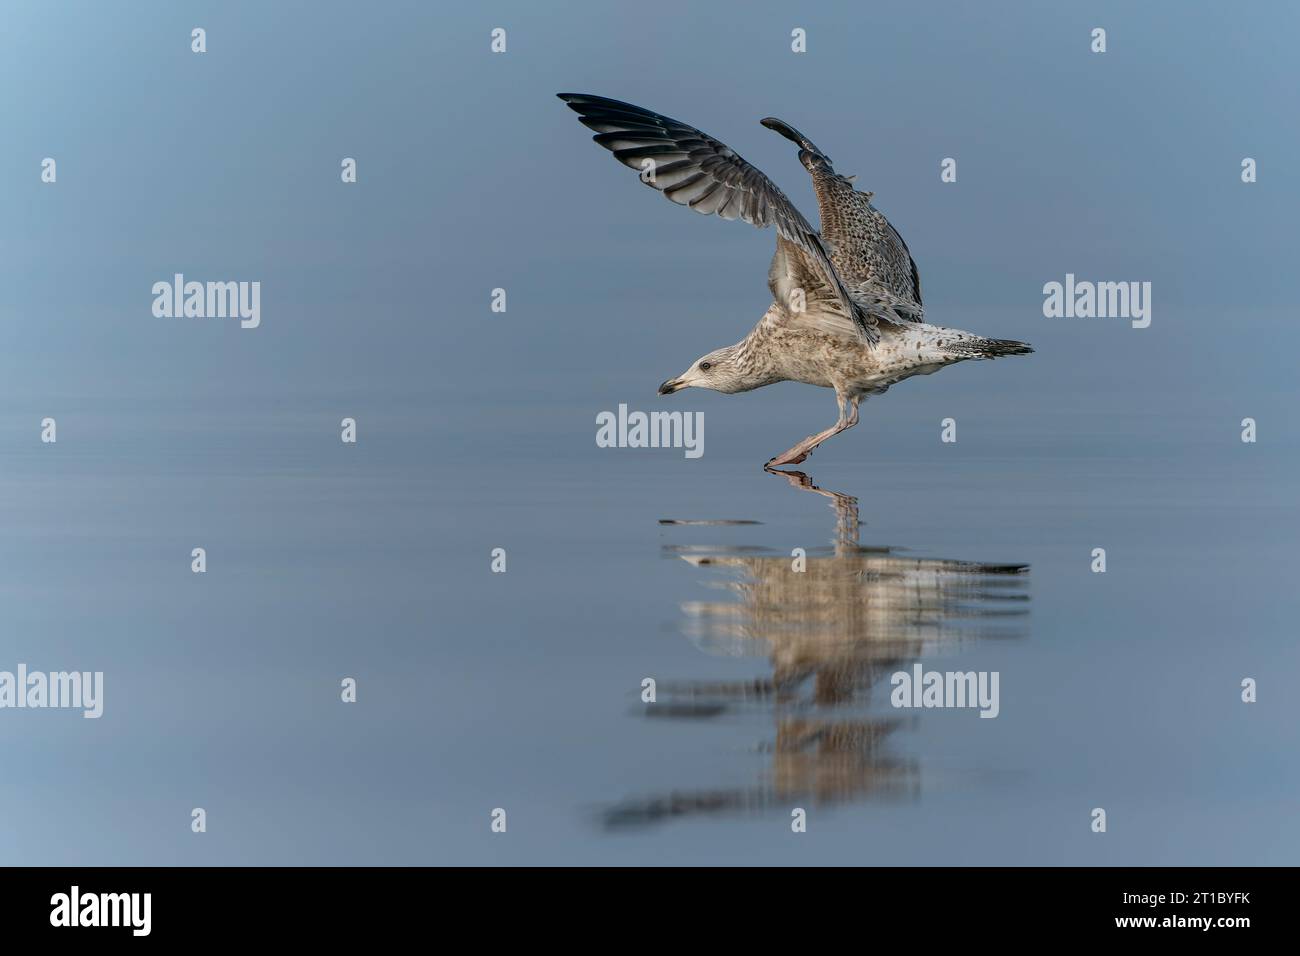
<point>522,690</point>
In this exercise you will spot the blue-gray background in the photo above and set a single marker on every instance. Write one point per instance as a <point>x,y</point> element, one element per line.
<point>477,429</point>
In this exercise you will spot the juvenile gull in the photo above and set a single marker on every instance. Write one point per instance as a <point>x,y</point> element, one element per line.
<point>846,311</point>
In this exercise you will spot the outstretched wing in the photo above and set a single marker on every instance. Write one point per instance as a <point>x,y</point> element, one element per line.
<point>693,169</point>
<point>870,256</point>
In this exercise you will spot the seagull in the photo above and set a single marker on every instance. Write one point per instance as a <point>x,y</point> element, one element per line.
<point>846,311</point>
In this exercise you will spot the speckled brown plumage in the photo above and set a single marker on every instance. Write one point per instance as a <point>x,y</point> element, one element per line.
<point>868,253</point>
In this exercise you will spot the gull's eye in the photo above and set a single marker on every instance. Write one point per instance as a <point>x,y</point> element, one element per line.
<point>705,366</point>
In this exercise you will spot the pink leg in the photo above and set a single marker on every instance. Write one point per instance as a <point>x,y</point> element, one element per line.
<point>848,418</point>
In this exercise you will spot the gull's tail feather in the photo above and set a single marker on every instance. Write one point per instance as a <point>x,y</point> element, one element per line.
<point>979,347</point>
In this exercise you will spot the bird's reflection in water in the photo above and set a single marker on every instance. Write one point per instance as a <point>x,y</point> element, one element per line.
<point>831,632</point>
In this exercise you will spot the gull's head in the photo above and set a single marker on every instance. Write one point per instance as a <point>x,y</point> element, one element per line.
<point>718,370</point>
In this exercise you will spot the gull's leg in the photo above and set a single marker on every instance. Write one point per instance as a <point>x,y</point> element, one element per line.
<point>848,418</point>
<point>801,451</point>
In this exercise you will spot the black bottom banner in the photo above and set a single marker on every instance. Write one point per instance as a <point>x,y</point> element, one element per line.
<point>374,905</point>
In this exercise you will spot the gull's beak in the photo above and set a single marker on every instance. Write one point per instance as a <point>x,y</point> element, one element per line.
<point>670,386</point>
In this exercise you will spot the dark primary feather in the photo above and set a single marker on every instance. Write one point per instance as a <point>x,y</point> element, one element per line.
<point>792,134</point>
<point>693,169</point>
